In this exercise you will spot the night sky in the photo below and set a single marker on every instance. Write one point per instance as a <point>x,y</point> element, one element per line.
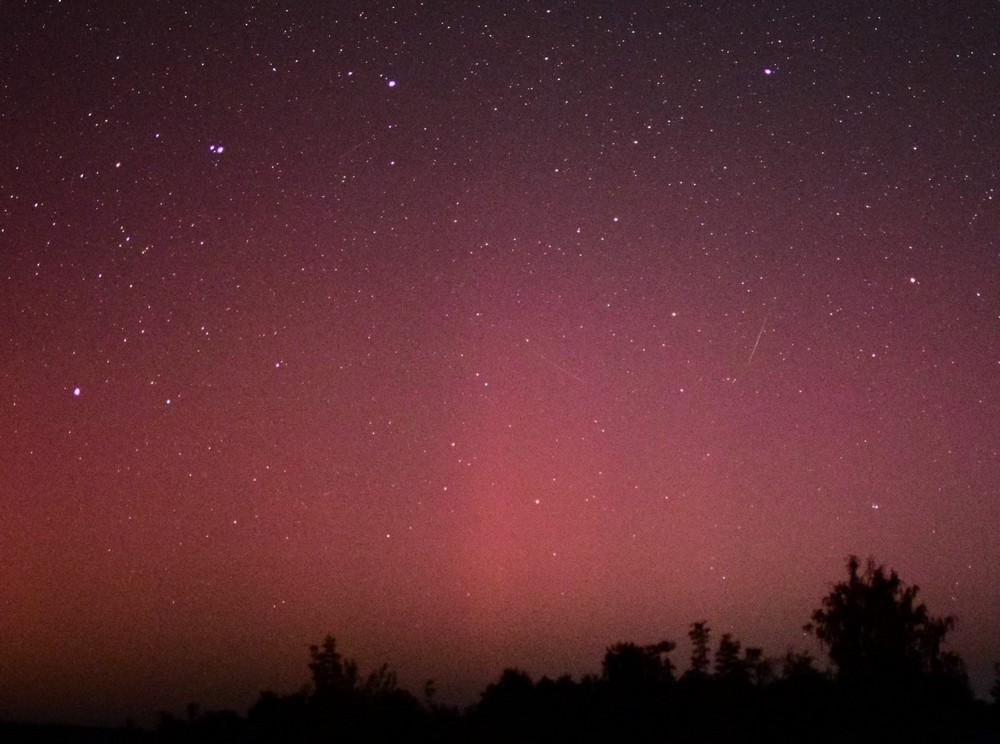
<point>484,335</point>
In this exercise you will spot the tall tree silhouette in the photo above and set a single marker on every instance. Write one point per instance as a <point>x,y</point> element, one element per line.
<point>891,672</point>
<point>700,636</point>
<point>729,667</point>
<point>874,630</point>
<point>331,674</point>
<point>343,705</point>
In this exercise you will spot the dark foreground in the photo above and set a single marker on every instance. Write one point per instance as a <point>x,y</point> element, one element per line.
<point>889,680</point>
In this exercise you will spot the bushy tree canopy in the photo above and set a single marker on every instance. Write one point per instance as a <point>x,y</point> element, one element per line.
<point>875,631</point>
<point>630,665</point>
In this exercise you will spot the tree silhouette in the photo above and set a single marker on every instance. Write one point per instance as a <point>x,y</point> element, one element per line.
<point>627,665</point>
<point>381,683</point>
<point>729,667</point>
<point>700,636</point>
<point>279,718</point>
<point>874,630</point>
<point>331,674</point>
<point>893,682</point>
<point>507,707</point>
<point>759,669</point>
<point>342,706</point>
<point>799,666</point>
<point>891,674</point>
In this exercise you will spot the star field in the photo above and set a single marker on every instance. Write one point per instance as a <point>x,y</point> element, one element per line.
<point>483,336</point>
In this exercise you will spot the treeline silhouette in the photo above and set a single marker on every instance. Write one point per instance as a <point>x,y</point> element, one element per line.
<point>888,680</point>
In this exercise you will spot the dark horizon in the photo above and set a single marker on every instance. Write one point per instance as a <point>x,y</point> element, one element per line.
<point>681,647</point>
<point>484,336</point>
<point>891,677</point>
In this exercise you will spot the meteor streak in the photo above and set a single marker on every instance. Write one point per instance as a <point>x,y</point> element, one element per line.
<point>759,334</point>
<point>563,370</point>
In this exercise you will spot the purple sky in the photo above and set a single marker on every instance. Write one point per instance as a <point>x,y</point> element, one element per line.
<point>484,336</point>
